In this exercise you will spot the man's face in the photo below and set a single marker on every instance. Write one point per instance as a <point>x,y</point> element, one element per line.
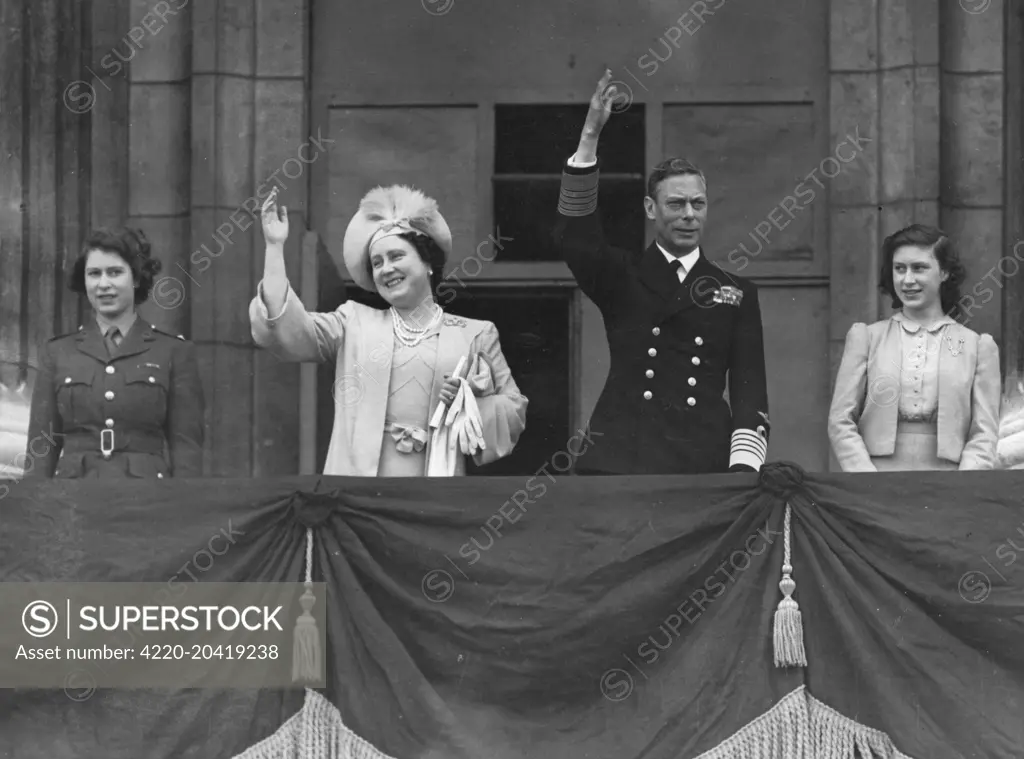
<point>678,212</point>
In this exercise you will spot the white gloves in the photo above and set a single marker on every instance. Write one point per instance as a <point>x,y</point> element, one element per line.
<point>463,418</point>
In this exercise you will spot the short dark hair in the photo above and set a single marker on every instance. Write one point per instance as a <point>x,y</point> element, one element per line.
<point>922,236</point>
<point>429,252</point>
<point>673,167</point>
<point>130,244</point>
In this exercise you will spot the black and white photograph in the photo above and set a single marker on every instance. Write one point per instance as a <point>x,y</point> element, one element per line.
<point>463,379</point>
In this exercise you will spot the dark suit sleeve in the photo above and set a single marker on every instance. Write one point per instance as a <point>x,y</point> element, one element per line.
<point>748,387</point>
<point>579,238</point>
<point>185,413</point>
<point>45,426</point>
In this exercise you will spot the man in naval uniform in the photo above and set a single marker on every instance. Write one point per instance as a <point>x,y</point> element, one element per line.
<point>679,328</point>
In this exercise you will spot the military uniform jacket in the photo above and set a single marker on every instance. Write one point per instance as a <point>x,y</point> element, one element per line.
<point>137,414</point>
<point>674,347</point>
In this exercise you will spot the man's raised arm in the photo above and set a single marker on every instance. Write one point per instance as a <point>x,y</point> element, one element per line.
<point>578,235</point>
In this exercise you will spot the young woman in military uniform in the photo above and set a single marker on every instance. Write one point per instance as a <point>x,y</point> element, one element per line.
<point>118,397</point>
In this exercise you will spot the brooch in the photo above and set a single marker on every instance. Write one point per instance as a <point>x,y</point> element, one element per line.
<point>454,321</point>
<point>728,295</point>
<point>959,345</point>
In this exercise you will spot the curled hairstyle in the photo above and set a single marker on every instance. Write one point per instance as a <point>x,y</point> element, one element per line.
<point>673,167</point>
<point>429,252</point>
<point>132,246</point>
<point>921,236</point>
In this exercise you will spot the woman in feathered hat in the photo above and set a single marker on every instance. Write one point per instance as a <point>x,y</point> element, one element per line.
<point>394,368</point>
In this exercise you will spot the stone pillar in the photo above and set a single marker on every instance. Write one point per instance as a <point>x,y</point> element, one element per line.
<point>248,119</point>
<point>908,114</point>
<point>972,152</point>
<point>1013,294</point>
<point>156,45</point>
<point>43,130</point>
<point>283,146</point>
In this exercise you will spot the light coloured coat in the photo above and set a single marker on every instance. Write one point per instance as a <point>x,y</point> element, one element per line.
<point>360,340</point>
<point>865,409</point>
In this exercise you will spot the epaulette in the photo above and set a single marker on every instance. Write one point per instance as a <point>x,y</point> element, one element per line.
<point>168,334</point>
<point>66,334</point>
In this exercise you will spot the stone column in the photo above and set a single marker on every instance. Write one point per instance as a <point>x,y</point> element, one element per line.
<point>156,46</point>
<point>972,152</point>
<point>283,147</point>
<point>248,119</point>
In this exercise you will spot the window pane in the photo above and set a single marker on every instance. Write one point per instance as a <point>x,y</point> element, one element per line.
<point>527,210</point>
<point>537,139</point>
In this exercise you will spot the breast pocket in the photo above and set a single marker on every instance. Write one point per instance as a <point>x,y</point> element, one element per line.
<point>146,391</point>
<point>74,391</point>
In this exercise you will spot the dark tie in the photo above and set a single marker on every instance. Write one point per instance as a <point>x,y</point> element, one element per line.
<point>113,340</point>
<point>676,265</point>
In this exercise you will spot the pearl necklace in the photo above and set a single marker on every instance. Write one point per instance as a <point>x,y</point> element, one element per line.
<point>412,336</point>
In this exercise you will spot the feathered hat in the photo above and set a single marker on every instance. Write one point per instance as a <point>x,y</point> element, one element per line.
<point>385,212</point>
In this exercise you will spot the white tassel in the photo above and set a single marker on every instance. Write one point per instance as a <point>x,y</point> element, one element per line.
<point>307,659</point>
<point>788,638</point>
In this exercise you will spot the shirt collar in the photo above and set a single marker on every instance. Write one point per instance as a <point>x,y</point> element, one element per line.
<point>124,323</point>
<point>912,327</point>
<point>687,261</point>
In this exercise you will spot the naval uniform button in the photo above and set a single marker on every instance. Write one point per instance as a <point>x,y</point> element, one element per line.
<point>698,340</point>
<point>691,382</point>
<point>109,395</point>
<point>67,380</point>
<point>649,374</point>
<point>691,402</point>
<point>110,423</point>
<point>151,380</point>
<point>695,361</point>
<point>159,475</point>
<point>656,331</point>
<point>652,352</point>
<point>648,395</point>
<point>110,369</point>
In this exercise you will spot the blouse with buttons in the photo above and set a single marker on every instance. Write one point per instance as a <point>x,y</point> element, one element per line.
<point>919,377</point>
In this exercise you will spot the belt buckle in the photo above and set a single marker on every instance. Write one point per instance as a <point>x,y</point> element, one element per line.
<point>106,443</point>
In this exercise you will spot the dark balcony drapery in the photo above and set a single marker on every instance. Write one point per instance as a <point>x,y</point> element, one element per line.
<point>605,617</point>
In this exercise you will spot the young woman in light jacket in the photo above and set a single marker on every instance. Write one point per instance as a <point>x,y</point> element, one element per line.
<point>918,390</point>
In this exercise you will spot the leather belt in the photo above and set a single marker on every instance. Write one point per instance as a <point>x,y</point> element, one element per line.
<point>107,442</point>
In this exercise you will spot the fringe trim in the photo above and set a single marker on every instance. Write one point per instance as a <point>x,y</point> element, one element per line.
<point>797,727</point>
<point>801,727</point>
<point>314,732</point>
